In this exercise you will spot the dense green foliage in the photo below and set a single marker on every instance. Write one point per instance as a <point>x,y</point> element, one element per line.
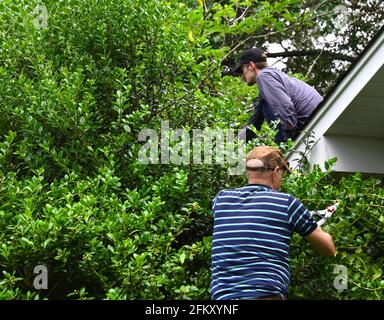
<point>73,195</point>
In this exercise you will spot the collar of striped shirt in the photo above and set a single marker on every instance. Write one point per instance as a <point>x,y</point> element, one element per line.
<point>258,185</point>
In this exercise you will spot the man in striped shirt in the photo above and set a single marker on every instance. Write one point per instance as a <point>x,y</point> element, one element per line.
<point>253,227</point>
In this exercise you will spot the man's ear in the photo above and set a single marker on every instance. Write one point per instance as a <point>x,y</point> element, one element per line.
<point>275,173</point>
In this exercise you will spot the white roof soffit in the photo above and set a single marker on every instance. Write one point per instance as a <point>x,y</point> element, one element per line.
<point>342,96</point>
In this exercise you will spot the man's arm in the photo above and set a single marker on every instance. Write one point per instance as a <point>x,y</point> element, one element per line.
<point>302,222</point>
<point>257,117</point>
<point>256,120</point>
<point>322,242</point>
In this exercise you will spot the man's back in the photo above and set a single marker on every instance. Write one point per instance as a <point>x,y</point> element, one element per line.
<point>292,99</point>
<point>253,227</point>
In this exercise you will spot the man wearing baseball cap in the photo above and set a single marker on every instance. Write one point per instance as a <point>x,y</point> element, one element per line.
<point>253,227</point>
<point>281,97</point>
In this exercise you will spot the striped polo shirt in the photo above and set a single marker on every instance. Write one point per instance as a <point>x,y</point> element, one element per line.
<point>253,226</point>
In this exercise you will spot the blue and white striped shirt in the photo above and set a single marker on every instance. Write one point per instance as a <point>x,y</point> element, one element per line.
<point>253,226</point>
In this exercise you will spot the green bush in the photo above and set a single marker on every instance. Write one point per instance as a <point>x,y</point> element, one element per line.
<point>74,196</point>
<point>357,229</point>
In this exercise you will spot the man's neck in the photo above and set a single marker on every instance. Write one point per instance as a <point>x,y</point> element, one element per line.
<point>260,181</point>
<point>258,71</point>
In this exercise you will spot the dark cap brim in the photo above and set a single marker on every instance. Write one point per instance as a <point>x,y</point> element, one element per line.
<point>238,69</point>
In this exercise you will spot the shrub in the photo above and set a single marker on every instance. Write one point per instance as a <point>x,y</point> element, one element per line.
<point>74,196</point>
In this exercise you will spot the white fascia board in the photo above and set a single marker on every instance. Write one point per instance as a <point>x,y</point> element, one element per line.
<point>343,95</point>
<point>353,154</point>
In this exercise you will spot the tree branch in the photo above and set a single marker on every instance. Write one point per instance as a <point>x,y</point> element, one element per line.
<point>314,52</point>
<point>266,35</point>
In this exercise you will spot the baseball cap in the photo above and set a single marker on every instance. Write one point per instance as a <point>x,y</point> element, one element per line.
<point>266,158</point>
<point>250,55</point>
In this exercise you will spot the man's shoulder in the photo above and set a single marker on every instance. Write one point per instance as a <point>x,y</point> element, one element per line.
<point>268,71</point>
<point>250,190</point>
